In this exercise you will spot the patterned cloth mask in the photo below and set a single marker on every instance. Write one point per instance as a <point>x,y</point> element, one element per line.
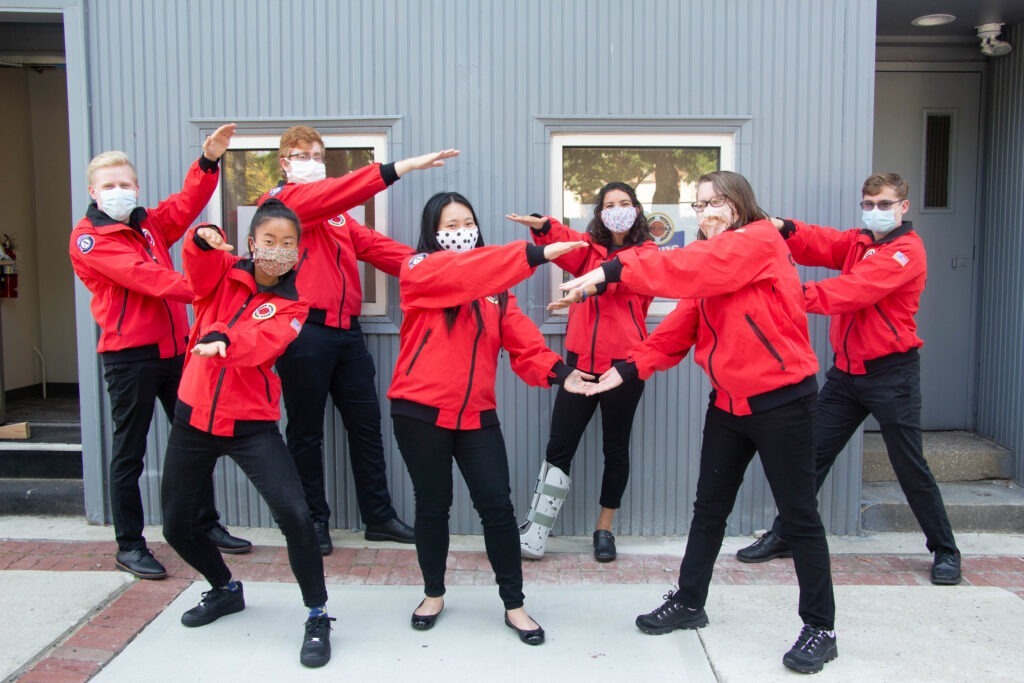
<point>619,218</point>
<point>462,239</point>
<point>714,220</point>
<point>275,261</point>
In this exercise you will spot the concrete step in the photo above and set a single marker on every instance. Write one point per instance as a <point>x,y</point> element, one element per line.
<point>994,505</point>
<point>952,456</point>
<point>63,497</point>
<point>52,452</point>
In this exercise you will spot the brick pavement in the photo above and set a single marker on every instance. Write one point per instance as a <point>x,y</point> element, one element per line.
<point>109,630</point>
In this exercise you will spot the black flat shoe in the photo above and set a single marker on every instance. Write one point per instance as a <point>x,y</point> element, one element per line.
<point>392,530</point>
<point>424,622</point>
<point>604,546</point>
<point>530,637</point>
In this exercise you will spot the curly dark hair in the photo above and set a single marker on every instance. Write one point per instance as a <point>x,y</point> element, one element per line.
<point>640,232</point>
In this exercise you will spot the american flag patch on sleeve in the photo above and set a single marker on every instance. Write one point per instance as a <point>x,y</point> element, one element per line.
<point>901,258</point>
<point>296,325</point>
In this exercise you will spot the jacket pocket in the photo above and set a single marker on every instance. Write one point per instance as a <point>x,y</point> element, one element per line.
<point>419,349</point>
<point>764,340</point>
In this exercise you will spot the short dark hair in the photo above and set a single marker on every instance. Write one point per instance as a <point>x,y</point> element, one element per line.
<point>877,182</point>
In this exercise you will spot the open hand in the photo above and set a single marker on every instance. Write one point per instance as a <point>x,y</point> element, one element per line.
<point>609,380</point>
<point>588,281</point>
<point>213,237</point>
<point>556,249</point>
<point>216,144</point>
<point>210,349</point>
<point>425,161</point>
<point>529,221</point>
<point>577,382</point>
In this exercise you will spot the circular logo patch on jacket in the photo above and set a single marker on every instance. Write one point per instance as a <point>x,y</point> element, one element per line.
<point>149,237</point>
<point>338,220</point>
<point>85,243</point>
<point>265,311</point>
<point>418,258</point>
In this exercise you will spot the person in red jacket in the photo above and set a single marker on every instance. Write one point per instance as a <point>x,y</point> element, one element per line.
<point>457,317</point>
<point>877,369</point>
<point>330,356</point>
<point>121,253</point>
<point>598,332</point>
<point>742,312</point>
<point>247,311</point>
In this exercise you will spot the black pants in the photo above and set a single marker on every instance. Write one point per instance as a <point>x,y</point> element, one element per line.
<point>480,454</point>
<point>134,388</point>
<point>569,419</point>
<point>784,438</point>
<point>893,397</point>
<point>326,360</point>
<point>191,457</point>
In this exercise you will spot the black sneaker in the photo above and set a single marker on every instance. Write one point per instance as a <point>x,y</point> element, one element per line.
<point>670,616</point>
<point>226,543</point>
<point>323,537</point>
<point>140,562</point>
<point>316,644</point>
<point>214,604</point>
<point>946,568</point>
<point>768,547</point>
<point>813,647</point>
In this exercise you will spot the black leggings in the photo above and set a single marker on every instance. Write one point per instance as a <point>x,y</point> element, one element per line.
<point>480,454</point>
<point>191,457</point>
<point>569,420</point>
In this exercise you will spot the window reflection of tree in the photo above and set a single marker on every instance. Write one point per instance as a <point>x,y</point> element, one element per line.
<point>585,170</point>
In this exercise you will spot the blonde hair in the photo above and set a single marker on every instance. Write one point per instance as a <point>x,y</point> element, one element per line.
<point>108,160</point>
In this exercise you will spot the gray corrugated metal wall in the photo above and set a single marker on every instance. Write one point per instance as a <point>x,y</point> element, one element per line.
<point>1001,349</point>
<point>480,75</point>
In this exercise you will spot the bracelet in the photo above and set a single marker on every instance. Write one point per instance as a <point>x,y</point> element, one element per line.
<point>583,295</point>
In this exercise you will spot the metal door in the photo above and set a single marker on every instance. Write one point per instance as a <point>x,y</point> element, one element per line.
<point>926,129</point>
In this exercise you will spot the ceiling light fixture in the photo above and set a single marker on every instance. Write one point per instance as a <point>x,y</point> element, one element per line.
<point>934,20</point>
<point>991,46</point>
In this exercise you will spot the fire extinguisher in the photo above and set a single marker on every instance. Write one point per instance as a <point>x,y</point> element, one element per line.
<point>8,268</point>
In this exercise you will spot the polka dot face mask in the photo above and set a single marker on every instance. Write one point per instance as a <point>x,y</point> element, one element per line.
<point>462,239</point>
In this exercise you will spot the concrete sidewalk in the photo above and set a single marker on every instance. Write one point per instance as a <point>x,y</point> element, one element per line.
<point>72,619</point>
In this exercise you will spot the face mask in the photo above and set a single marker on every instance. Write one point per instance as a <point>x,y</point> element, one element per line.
<point>619,218</point>
<point>275,261</point>
<point>714,220</point>
<point>462,239</point>
<point>880,221</point>
<point>118,203</point>
<point>306,171</point>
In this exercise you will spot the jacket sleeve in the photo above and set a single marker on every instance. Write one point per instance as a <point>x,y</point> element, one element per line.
<point>671,340</point>
<point>815,245</point>
<point>204,266</point>
<point>378,250</point>
<point>725,264</point>
<point>575,261</point>
<point>260,342</point>
<point>868,281</point>
<point>127,267</point>
<point>319,201</point>
<point>443,278</point>
<point>172,216</point>
<point>529,356</point>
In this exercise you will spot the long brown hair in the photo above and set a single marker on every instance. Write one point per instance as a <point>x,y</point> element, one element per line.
<point>737,190</point>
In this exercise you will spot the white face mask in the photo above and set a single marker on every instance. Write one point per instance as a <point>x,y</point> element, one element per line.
<point>462,239</point>
<point>714,220</point>
<point>306,171</point>
<point>880,221</point>
<point>118,203</point>
<point>619,218</point>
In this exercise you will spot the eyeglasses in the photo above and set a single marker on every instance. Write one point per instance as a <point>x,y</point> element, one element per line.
<point>714,202</point>
<point>306,156</point>
<point>884,205</point>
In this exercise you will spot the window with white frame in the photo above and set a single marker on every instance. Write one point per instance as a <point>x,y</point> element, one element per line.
<point>250,167</point>
<point>663,167</point>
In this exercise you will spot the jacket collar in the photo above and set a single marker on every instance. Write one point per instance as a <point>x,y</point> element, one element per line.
<point>903,229</point>
<point>101,220</point>
<point>244,271</point>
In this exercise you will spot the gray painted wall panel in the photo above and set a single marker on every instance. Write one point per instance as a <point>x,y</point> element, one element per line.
<point>478,75</point>
<point>1001,349</point>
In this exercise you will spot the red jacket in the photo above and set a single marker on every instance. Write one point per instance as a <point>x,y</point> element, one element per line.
<point>218,395</point>
<point>138,299</point>
<point>873,301</point>
<point>742,310</point>
<point>447,377</point>
<point>332,241</point>
<point>602,328</point>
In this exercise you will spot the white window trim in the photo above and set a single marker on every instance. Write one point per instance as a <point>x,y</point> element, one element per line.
<point>378,142</point>
<point>726,142</point>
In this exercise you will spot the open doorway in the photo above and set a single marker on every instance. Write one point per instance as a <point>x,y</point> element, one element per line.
<point>39,379</point>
